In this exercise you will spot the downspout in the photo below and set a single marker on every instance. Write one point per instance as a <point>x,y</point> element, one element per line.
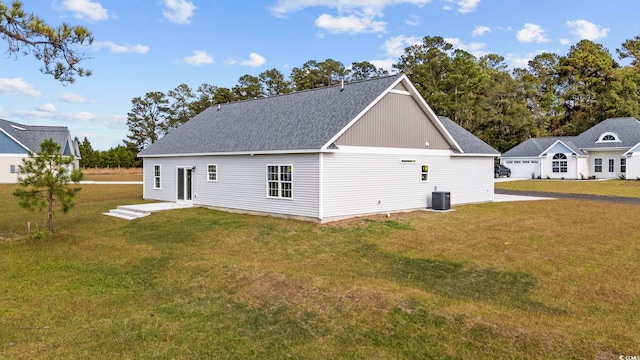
<point>321,186</point>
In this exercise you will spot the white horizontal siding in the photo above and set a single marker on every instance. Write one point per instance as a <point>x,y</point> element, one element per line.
<point>241,182</point>
<point>6,177</point>
<point>380,182</point>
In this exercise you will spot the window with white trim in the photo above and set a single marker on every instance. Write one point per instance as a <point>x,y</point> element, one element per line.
<point>424,173</point>
<point>12,169</point>
<point>608,137</point>
<point>623,165</point>
<point>612,165</point>
<point>212,172</point>
<point>280,181</point>
<point>559,163</point>
<point>156,176</point>
<point>597,165</point>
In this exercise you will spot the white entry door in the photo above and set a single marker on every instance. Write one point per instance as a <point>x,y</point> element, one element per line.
<point>185,186</point>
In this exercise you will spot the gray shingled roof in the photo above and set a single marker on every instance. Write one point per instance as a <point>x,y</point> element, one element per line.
<point>469,143</point>
<point>32,136</point>
<point>305,120</point>
<point>627,130</point>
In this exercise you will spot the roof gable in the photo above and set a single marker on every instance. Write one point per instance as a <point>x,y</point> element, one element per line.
<point>29,137</point>
<point>9,145</point>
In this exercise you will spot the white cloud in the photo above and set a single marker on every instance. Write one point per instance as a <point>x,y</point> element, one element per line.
<point>474,48</point>
<point>395,45</point>
<point>199,57</point>
<point>179,11</point>
<point>121,48</point>
<point>86,9</point>
<point>564,41</point>
<point>386,64</point>
<point>48,108</point>
<point>480,30</point>
<point>72,98</point>
<point>584,29</point>
<point>353,16</point>
<point>413,20</point>
<point>350,24</point>
<point>254,60</point>
<point>531,33</point>
<point>17,86</point>
<point>464,6</point>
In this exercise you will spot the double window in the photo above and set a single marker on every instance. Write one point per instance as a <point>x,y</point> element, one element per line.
<point>597,165</point>
<point>156,176</point>
<point>279,181</point>
<point>559,163</point>
<point>212,172</point>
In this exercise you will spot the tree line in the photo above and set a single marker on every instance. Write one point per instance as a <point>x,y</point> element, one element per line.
<point>555,95</point>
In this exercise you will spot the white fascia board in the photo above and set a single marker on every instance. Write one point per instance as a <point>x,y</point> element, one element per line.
<point>475,155</point>
<point>607,149</point>
<point>14,139</point>
<point>631,150</point>
<point>232,153</point>
<point>554,144</point>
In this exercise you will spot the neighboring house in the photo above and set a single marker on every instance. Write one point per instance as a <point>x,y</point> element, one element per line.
<point>608,150</point>
<point>324,154</point>
<point>17,139</point>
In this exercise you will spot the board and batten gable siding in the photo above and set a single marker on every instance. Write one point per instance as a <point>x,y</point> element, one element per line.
<point>397,121</point>
<point>358,183</point>
<point>241,182</point>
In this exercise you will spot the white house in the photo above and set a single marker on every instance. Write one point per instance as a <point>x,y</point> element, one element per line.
<point>608,150</point>
<point>324,154</point>
<point>17,139</point>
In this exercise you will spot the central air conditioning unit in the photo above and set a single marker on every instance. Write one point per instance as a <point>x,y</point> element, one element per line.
<point>440,200</point>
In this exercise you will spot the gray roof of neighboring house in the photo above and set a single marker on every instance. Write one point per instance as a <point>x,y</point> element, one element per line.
<point>32,136</point>
<point>305,120</point>
<point>627,129</point>
<point>469,143</point>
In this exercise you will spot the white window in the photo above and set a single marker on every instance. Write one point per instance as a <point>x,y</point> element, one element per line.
<point>612,165</point>
<point>597,165</point>
<point>280,181</point>
<point>623,165</point>
<point>212,172</point>
<point>424,173</point>
<point>559,163</point>
<point>156,176</point>
<point>12,169</point>
<point>608,137</point>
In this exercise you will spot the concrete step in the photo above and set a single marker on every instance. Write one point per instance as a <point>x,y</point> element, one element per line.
<point>123,212</point>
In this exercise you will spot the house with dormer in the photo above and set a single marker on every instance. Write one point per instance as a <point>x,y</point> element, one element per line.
<point>324,154</point>
<point>16,140</point>
<point>610,149</point>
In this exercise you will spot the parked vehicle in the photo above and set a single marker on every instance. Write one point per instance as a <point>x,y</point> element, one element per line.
<point>501,170</point>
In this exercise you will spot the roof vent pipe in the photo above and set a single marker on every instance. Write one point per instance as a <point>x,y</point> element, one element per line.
<point>218,106</point>
<point>342,85</point>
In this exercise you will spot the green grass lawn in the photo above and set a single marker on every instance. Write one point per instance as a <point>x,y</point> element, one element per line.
<point>627,188</point>
<point>533,280</point>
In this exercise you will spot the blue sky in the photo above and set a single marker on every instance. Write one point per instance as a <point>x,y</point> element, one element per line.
<point>156,45</point>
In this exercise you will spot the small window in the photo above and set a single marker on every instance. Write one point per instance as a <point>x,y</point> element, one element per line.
<point>12,169</point>
<point>623,165</point>
<point>156,176</point>
<point>280,181</point>
<point>612,165</point>
<point>559,163</point>
<point>598,165</point>
<point>608,137</point>
<point>212,172</point>
<point>424,173</point>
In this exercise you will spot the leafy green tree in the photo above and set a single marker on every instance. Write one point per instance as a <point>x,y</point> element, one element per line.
<point>44,180</point>
<point>148,120</point>
<point>332,72</point>
<point>249,87</point>
<point>55,47</point>
<point>274,83</point>
<point>309,76</point>
<point>181,109</point>
<point>364,71</point>
<point>630,49</point>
